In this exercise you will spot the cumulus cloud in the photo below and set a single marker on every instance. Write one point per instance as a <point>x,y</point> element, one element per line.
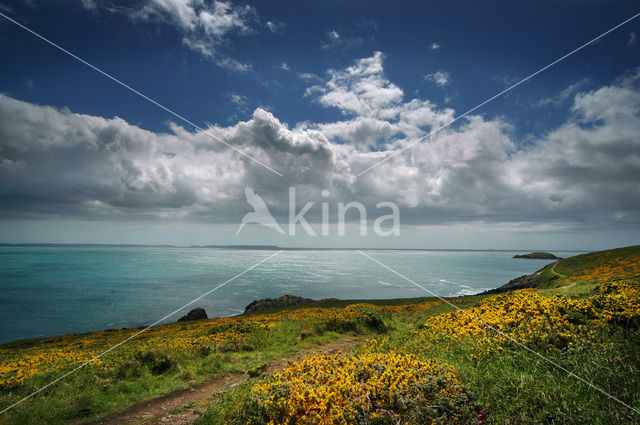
<point>434,46</point>
<point>591,164</point>
<point>205,26</point>
<point>441,78</point>
<point>379,117</point>
<point>360,89</point>
<point>55,162</point>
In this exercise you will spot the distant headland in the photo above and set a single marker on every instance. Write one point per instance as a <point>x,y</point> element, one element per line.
<point>538,256</point>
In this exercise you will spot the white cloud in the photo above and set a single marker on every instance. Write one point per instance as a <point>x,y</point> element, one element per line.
<point>239,100</point>
<point>591,164</point>
<point>333,39</point>
<point>360,89</point>
<point>284,66</point>
<point>276,27</point>
<point>441,78</point>
<point>309,77</point>
<point>632,39</point>
<point>564,95</point>
<point>234,65</point>
<point>205,26</point>
<point>57,163</point>
<point>434,46</point>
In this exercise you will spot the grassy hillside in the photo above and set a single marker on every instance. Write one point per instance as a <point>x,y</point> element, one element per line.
<point>585,270</point>
<point>421,360</point>
<point>601,266</point>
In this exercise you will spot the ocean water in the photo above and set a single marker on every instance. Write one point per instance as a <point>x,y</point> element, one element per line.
<point>47,291</point>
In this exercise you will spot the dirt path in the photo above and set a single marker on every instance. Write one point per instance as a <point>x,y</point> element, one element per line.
<point>553,270</point>
<point>180,407</point>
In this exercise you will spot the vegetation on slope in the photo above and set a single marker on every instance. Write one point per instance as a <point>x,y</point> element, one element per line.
<point>161,360</point>
<point>591,329</point>
<point>425,361</point>
<point>584,269</point>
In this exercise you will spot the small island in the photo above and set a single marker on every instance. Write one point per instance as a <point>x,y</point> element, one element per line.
<point>538,256</point>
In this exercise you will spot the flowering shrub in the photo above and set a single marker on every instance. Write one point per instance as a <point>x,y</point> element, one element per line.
<point>535,320</point>
<point>619,303</point>
<point>15,368</point>
<point>351,318</point>
<point>525,316</point>
<point>373,388</point>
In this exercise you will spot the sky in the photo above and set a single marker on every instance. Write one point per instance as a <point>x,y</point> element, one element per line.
<point>311,96</point>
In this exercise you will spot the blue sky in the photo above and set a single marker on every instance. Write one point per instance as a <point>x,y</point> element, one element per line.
<point>235,68</point>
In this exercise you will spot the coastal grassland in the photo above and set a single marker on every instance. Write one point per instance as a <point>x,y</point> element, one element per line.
<point>590,269</point>
<point>461,371</point>
<point>425,361</point>
<point>160,360</point>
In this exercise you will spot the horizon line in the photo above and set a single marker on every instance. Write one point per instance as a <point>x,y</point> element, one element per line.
<point>250,247</point>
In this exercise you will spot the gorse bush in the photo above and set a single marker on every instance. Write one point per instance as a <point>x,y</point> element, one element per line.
<point>372,388</point>
<point>350,319</point>
<point>524,316</point>
<point>618,303</point>
<point>546,323</point>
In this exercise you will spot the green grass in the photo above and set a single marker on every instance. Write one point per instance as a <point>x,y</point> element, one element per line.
<point>516,386</point>
<point>574,266</point>
<point>519,387</point>
<point>93,392</point>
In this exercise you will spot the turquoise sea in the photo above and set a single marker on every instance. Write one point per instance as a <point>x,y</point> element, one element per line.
<point>46,291</point>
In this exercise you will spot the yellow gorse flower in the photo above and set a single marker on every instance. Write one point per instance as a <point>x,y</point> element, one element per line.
<point>55,355</point>
<point>335,389</point>
<point>527,317</point>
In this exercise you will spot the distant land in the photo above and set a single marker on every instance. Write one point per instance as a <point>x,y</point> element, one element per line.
<point>538,256</point>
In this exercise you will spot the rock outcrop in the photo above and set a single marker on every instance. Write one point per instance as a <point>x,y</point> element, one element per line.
<point>275,303</point>
<point>195,314</point>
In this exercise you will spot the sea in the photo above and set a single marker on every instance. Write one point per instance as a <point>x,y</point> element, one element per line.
<point>52,290</point>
